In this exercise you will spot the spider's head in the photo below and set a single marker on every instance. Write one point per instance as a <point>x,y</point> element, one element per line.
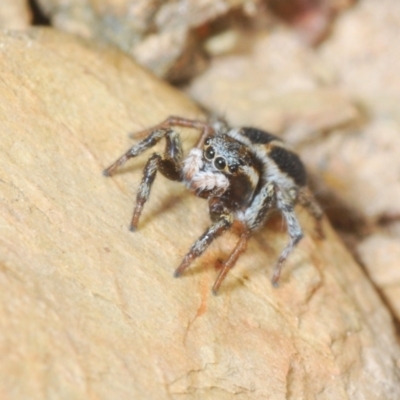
<point>225,155</point>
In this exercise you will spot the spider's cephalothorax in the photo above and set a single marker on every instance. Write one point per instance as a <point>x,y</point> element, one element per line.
<point>244,173</point>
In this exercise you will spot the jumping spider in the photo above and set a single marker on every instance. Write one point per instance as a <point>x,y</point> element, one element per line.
<point>244,173</point>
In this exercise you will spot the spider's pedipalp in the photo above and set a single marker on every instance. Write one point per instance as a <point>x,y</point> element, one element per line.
<point>192,164</point>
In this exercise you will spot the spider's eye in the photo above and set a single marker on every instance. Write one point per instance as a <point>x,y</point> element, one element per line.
<point>220,163</point>
<point>207,141</point>
<point>233,168</point>
<point>209,153</point>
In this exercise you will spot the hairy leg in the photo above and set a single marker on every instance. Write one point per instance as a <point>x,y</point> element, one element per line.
<point>149,174</point>
<point>173,121</point>
<point>285,204</point>
<point>261,206</point>
<point>239,249</point>
<point>307,200</point>
<point>154,137</point>
<point>169,164</point>
<point>220,226</point>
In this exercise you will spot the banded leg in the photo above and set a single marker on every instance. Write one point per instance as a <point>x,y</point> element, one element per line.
<point>149,174</point>
<point>217,229</point>
<point>307,200</point>
<point>240,248</point>
<point>255,217</point>
<point>151,140</point>
<point>169,165</point>
<point>172,121</point>
<point>286,205</point>
<point>261,206</point>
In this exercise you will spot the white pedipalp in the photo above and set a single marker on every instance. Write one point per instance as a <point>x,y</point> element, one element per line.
<point>200,181</point>
<point>192,164</point>
<point>208,180</point>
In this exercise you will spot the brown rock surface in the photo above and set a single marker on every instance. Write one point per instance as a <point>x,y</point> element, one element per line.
<point>90,310</point>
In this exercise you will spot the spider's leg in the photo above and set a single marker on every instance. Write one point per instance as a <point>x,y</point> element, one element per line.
<point>260,207</point>
<point>172,121</point>
<point>154,137</point>
<point>285,204</point>
<point>171,166</point>
<point>240,248</point>
<point>149,174</point>
<point>168,164</point>
<point>254,217</point>
<point>307,200</point>
<point>223,223</point>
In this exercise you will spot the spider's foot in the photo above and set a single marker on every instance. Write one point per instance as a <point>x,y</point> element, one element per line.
<point>133,228</point>
<point>107,172</point>
<point>177,273</point>
<point>214,291</point>
<point>275,281</point>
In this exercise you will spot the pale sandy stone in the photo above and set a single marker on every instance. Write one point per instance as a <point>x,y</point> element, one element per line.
<point>366,59</point>
<point>362,165</point>
<point>380,253</point>
<point>281,86</point>
<point>363,50</point>
<point>15,14</point>
<point>91,310</point>
<point>311,18</point>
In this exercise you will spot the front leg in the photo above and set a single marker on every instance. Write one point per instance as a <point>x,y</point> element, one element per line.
<point>169,165</point>
<point>149,174</point>
<point>172,121</point>
<point>239,249</point>
<point>154,137</point>
<point>216,229</point>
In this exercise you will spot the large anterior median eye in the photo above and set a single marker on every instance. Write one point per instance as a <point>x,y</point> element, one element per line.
<point>209,153</point>
<point>220,163</point>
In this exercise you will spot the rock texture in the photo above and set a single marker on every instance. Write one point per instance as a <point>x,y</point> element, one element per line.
<point>157,34</point>
<point>15,14</point>
<point>167,36</point>
<point>91,310</point>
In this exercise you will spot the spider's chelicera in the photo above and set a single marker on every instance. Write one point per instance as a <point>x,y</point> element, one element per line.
<point>244,173</point>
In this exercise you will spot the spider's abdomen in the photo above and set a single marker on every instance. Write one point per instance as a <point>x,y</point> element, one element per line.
<point>289,163</point>
<point>286,160</point>
<point>258,136</point>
